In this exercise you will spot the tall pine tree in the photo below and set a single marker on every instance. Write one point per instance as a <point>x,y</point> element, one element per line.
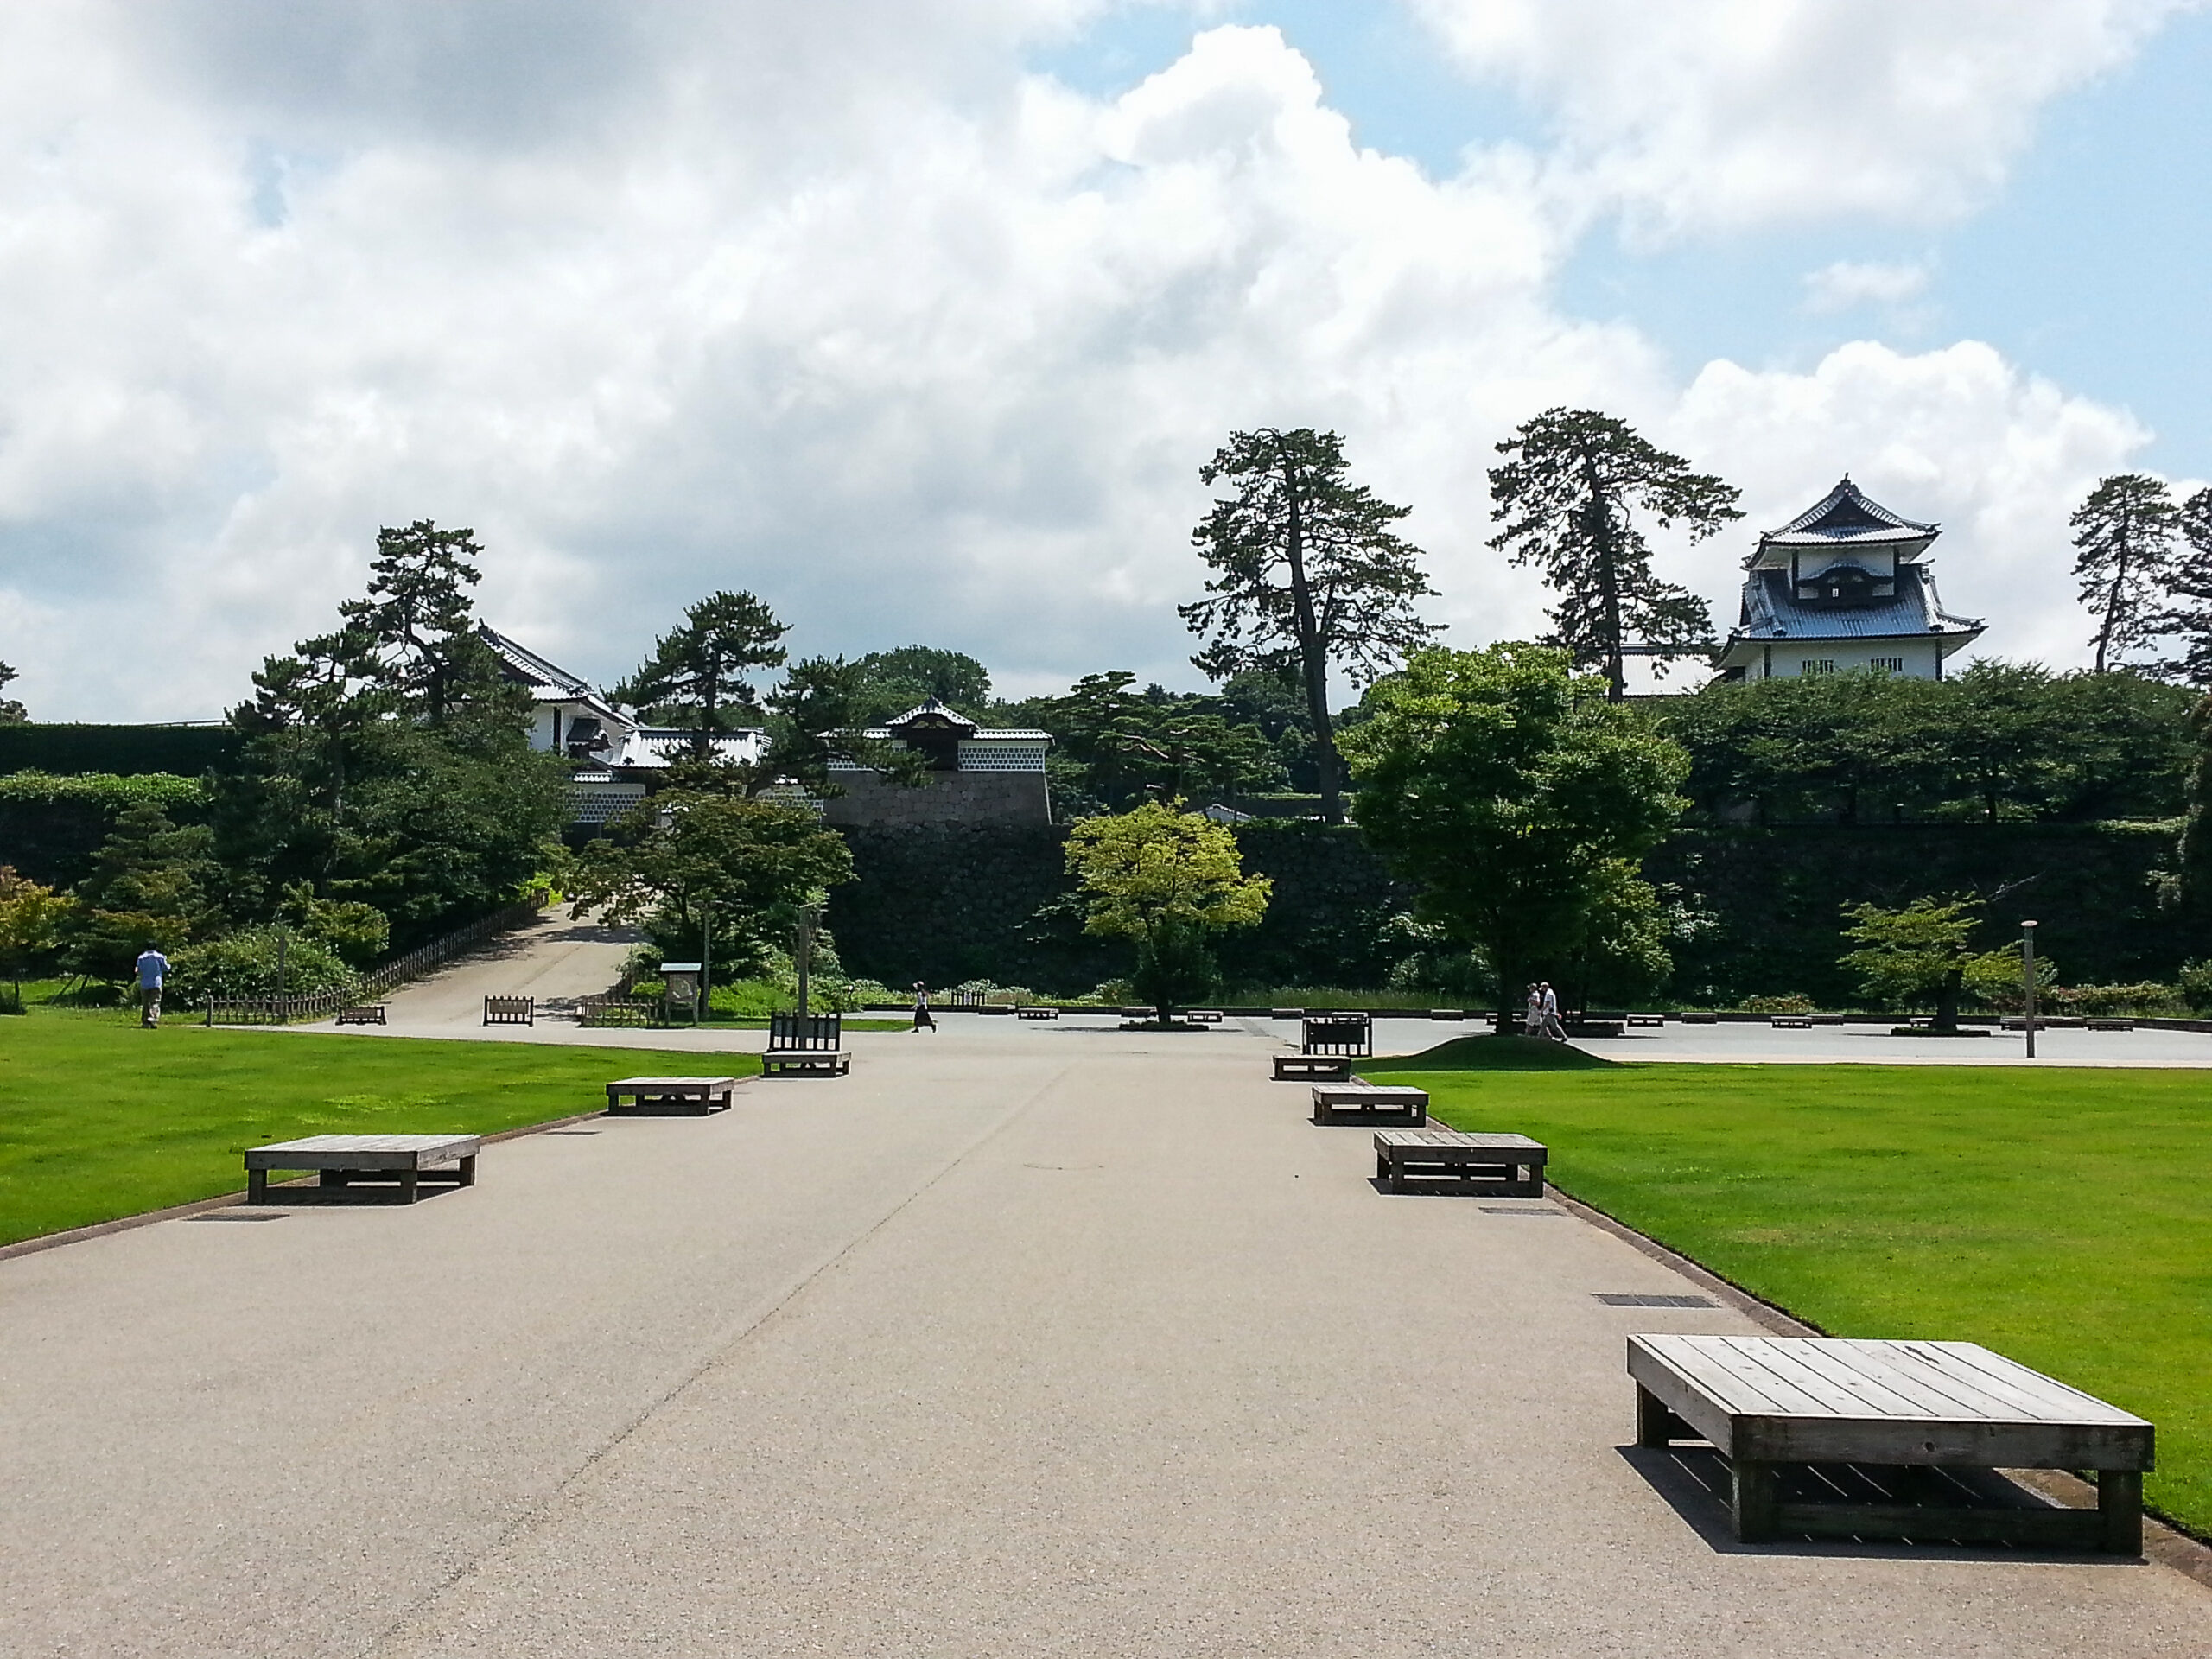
<point>1309,575</point>
<point>2123,540</point>
<point>1566,500</point>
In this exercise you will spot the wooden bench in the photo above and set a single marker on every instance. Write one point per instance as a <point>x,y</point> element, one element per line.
<point>597,1011</point>
<point>2110,1025</point>
<point>1312,1068</point>
<point>1037,1011</point>
<point>1448,1014</point>
<point>669,1097</point>
<point>1765,1400</point>
<point>343,1160</point>
<point>1792,1022</point>
<point>1699,1019</point>
<point>1285,1013</point>
<point>810,1045</point>
<point>1369,1102</point>
<point>1201,1016</point>
<point>368,1014</point>
<point>510,1011</point>
<point>1595,1028</point>
<point>1492,1165</point>
<point>1647,1019</point>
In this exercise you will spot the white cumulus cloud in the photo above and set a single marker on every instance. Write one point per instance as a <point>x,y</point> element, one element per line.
<point>1847,284</point>
<point>1704,113</point>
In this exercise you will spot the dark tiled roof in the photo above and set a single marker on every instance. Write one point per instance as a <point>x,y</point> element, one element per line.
<point>1845,515</point>
<point>529,667</point>
<point>1771,611</point>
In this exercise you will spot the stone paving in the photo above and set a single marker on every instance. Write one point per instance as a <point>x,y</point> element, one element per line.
<point>1042,1340</point>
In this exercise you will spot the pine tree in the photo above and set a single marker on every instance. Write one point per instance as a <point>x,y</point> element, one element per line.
<point>1309,575</point>
<point>2187,615</point>
<point>11,712</point>
<point>1566,500</point>
<point>697,675</point>
<point>416,619</point>
<point>2124,535</point>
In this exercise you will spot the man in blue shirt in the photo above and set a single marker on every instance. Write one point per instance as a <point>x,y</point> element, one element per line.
<point>153,966</point>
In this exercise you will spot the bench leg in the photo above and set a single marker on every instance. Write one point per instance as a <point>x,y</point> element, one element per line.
<point>334,1178</point>
<point>2120,1505</point>
<point>1654,1424</point>
<point>410,1186</point>
<point>1756,1501</point>
<point>257,1187</point>
<point>468,1170</point>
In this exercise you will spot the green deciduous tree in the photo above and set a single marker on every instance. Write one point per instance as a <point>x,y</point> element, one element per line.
<point>700,674</point>
<point>2123,540</point>
<point>1567,499</point>
<point>1519,799</point>
<point>1916,956</point>
<point>1309,575</point>
<point>892,681</point>
<point>31,917</point>
<point>1165,879</point>
<point>736,868</point>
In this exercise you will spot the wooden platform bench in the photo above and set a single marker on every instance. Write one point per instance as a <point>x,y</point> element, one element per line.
<point>370,1013</point>
<point>1285,1013</point>
<point>1201,1016</point>
<point>1314,1068</point>
<point>669,1097</point>
<point>1490,1166</point>
<point>345,1159</point>
<point>2112,1025</point>
<point>1792,1022</point>
<point>1699,1019</point>
<point>1448,1014</point>
<point>1647,1019</point>
<point>510,1011</point>
<point>1769,1401</point>
<point>1037,1011</point>
<point>1596,1028</point>
<point>1369,1102</point>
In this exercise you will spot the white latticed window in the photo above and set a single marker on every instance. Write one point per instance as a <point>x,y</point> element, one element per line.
<point>602,804</point>
<point>1021,756</point>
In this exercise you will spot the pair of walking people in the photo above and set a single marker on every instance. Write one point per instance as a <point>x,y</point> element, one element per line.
<point>1539,1018</point>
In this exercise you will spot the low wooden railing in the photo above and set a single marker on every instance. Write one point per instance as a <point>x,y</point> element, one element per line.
<point>283,1010</point>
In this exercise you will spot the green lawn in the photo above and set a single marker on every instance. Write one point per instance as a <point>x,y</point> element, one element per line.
<point>2061,1217</point>
<point>99,1119</point>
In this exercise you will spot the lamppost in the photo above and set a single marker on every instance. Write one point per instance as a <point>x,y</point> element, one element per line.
<point>2028,980</point>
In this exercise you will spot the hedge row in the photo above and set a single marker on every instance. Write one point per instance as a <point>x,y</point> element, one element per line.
<point>125,750</point>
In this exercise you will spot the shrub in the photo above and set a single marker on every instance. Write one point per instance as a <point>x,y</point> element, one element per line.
<point>1791,1004</point>
<point>244,964</point>
<point>2147,998</point>
<point>2195,984</point>
<point>105,790</point>
<point>11,999</point>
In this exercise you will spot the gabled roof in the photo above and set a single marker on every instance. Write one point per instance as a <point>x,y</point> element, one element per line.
<point>533,670</point>
<point>936,710</point>
<point>1847,516</point>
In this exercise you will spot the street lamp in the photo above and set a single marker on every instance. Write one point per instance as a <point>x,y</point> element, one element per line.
<point>2028,980</point>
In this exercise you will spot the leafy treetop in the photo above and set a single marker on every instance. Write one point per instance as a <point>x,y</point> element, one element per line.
<point>2123,540</point>
<point>698,677</point>
<point>1919,953</point>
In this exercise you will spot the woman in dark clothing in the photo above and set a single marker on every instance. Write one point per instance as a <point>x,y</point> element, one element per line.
<point>922,1020</point>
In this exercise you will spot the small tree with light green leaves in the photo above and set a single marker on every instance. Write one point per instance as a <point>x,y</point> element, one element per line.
<point>1166,880</point>
<point>1916,956</point>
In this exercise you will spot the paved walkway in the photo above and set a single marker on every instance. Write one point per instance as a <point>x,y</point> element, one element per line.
<point>553,957</point>
<point>1015,1342</point>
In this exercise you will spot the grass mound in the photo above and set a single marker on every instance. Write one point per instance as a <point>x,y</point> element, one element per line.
<point>1490,1054</point>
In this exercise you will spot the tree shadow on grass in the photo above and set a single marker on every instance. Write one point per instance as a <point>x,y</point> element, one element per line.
<point>1489,1054</point>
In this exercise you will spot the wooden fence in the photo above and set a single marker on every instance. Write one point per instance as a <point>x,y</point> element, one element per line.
<point>283,1010</point>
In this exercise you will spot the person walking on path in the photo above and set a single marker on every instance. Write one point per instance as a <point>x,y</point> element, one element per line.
<point>1552,1027</point>
<point>922,1020</point>
<point>153,968</point>
<point>1532,1016</point>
